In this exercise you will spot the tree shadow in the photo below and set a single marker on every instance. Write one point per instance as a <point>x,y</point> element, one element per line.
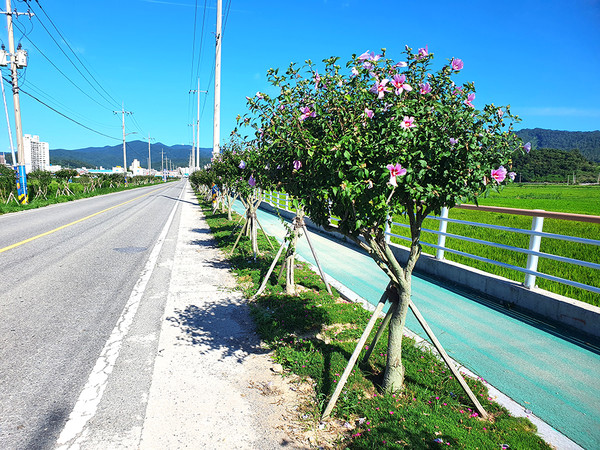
<point>224,326</point>
<point>180,200</point>
<point>48,429</point>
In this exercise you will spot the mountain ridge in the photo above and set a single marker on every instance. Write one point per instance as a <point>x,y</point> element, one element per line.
<point>111,156</point>
<point>587,142</point>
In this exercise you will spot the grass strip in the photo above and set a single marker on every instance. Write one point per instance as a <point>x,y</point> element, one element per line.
<point>312,335</point>
<point>51,200</point>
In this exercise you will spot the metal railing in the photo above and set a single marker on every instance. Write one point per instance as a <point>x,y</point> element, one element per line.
<point>536,233</point>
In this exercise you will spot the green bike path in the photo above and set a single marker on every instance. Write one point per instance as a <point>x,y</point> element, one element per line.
<point>552,375</point>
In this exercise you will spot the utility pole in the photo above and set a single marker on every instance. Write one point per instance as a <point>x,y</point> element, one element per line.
<point>217,113</point>
<point>193,164</point>
<point>196,158</point>
<point>17,61</point>
<point>12,147</point>
<point>123,112</point>
<point>149,156</point>
<point>198,129</point>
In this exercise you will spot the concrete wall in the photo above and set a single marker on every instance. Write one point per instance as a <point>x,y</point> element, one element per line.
<point>557,308</point>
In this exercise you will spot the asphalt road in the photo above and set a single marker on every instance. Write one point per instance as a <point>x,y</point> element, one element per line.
<point>62,292</point>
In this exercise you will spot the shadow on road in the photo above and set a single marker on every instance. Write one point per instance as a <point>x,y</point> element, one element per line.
<point>224,326</point>
<point>179,200</point>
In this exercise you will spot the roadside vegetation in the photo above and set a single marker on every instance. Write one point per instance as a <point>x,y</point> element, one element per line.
<point>313,334</point>
<point>45,188</point>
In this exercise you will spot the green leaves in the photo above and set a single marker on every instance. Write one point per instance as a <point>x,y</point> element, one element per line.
<point>356,131</point>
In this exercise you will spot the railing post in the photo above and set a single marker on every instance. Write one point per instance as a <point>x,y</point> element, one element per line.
<point>537,225</point>
<point>442,236</point>
<point>287,201</point>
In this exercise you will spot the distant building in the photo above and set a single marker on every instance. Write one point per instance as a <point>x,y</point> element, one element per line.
<point>37,154</point>
<point>137,170</point>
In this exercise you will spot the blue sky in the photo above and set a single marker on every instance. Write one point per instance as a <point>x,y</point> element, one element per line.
<point>540,56</point>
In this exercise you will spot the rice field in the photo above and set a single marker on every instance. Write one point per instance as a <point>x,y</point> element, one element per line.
<point>560,198</point>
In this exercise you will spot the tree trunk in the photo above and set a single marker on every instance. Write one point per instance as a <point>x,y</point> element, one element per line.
<point>393,379</point>
<point>254,236</point>
<point>290,262</point>
<point>229,204</point>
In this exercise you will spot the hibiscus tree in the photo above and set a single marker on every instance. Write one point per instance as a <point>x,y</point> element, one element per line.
<point>365,151</point>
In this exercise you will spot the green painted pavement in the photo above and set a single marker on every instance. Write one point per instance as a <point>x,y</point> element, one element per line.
<point>553,375</point>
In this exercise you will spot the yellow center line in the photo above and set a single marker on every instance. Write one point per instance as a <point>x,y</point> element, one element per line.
<point>10,247</point>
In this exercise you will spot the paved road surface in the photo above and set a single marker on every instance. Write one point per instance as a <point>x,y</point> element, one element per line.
<point>61,295</point>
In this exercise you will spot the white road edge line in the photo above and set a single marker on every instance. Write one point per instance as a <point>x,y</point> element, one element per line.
<point>75,429</point>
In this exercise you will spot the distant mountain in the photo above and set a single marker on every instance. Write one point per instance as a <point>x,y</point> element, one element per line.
<point>110,156</point>
<point>587,142</point>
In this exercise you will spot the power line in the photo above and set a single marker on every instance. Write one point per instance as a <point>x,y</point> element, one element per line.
<point>45,95</point>
<point>63,74</point>
<point>70,60</point>
<point>137,125</point>
<point>61,114</point>
<point>226,16</point>
<point>201,42</point>
<point>72,51</point>
<point>194,43</point>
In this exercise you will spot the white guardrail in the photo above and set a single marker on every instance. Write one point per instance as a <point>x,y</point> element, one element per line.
<point>536,233</point>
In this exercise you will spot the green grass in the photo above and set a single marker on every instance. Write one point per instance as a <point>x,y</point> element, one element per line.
<point>314,334</point>
<point>550,197</point>
<point>573,199</point>
<point>52,199</point>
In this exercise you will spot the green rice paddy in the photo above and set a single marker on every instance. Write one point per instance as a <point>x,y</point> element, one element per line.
<point>558,198</point>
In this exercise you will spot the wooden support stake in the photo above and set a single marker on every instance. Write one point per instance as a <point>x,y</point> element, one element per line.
<point>267,237</point>
<point>354,357</point>
<point>264,283</point>
<point>239,236</point>
<point>316,259</point>
<point>380,331</point>
<point>482,412</point>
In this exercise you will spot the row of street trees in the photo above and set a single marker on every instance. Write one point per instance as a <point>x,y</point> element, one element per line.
<point>364,142</point>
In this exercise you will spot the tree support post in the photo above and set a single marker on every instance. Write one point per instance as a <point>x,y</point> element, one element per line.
<point>264,283</point>
<point>361,342</point>
<point>380,331</point>
<point>298,224</point>
<point>438,346</point>
<point>482,412</point>
<point>315,256</point>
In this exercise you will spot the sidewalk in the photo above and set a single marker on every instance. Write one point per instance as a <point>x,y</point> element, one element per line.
<point>213,386</point>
